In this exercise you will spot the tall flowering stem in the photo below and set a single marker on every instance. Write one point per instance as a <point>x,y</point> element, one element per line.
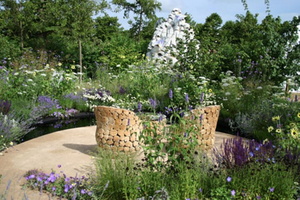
<point>153,104</point>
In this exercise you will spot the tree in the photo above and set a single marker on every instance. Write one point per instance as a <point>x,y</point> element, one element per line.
<point>144,11</point>
<point>106,26</point>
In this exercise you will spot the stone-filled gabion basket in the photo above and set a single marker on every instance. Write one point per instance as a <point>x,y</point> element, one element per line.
<point>117,129</point>
<point>206,120</point>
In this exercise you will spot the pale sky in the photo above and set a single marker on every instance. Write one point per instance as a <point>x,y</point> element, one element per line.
<point>227,9</point>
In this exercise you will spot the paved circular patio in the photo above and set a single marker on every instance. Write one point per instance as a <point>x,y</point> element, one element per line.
<point>72,149</point>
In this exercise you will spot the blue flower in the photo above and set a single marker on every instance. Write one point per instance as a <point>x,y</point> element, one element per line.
<point>232,192</point>
<point>228,179</point>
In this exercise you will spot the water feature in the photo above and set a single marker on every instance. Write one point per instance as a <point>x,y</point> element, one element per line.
<point>51,125</point>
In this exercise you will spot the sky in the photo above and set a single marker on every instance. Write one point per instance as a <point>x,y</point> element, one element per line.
<point>227,9</point>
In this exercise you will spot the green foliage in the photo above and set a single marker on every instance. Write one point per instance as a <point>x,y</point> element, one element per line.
<point>9,48</point>
<point>118,183</point>
<point>29,84</point>
<point>287,131</point>
<point>106,26</point>
<point>118,53</point>
<point>165,148</point>
<point>144,11</point>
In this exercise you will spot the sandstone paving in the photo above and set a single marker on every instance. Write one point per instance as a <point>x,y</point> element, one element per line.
<point>72,149</point>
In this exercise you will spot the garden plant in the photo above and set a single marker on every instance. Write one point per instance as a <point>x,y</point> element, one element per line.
<point>247,66</point>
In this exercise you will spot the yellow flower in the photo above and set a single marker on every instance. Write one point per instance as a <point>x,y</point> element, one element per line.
<point>2,136</point>
<point>59,64</point>
<point>11,143</point>
<point>276,118</point>
<point>298,115</point>
<point>73,67</point>
<point>270,129</point>
<point>294,133</point>
<point>210,91</point>
<point>292,125</point>
<point>278,130</point>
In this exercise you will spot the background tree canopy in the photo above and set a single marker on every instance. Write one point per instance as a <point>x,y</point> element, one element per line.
<point>267,50</point>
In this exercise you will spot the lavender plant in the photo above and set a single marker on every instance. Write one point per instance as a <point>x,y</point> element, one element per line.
<point>12,129</point>
<point>237,152</point>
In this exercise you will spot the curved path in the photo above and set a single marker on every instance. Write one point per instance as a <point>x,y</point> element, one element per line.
<point>72,149</point>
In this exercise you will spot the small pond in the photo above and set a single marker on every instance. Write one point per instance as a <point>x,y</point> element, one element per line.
<point>50,125</point>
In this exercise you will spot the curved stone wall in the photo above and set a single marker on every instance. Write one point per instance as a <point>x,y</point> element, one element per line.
<point>206,119</point>
<point>119,129</point>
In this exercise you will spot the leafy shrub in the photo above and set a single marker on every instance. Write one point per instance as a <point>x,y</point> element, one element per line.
<point>287,137</point>
<point>12,128</point>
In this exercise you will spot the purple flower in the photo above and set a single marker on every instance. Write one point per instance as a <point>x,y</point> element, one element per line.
<point>251,154</point>
<point>122,90</point>
<point>53,188</point>
<point>59,166</point>
<point>232,192</point>
<point>66,188</point>
<point>160,118</point>
<point>32,176</point>
<point>52,178</point>
<point>58,125</point>
<point>272,189</point>
<point>186,97</point>
<point>139,107</point>
<point>39,179</point>
<point>228,179</point>
<point>83,191</point>
<point>153,103</point>
<point>171,94</point>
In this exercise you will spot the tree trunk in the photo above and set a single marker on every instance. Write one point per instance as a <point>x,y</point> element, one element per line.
<point>80,61</point>
<point>21,35</point>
